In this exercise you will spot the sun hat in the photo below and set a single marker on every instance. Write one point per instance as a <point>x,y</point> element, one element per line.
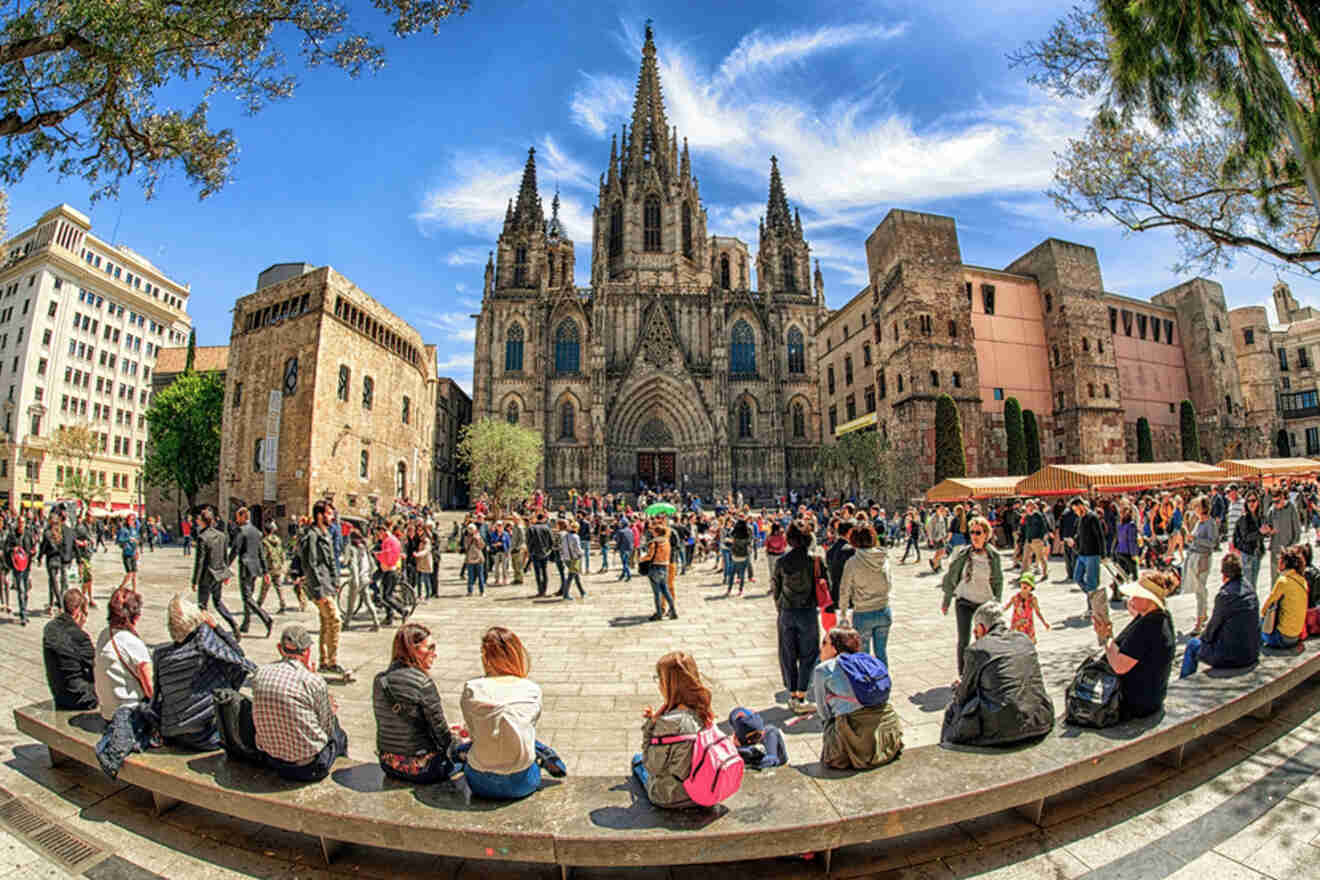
<point>1145,588</point>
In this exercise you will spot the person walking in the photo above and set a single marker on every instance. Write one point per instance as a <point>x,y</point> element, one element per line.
<point>623,543</point>
<point>1247,539</point>
<point>127,539</point>
<point>82,552</point>
<point>272,551</point>
<point>474,549</point>
<point>1196,564</point>
<point>246,548</point>
<point>975,576</point>
<point>318,566</point>
<point>20,549</point>
<point>1284,528</point>
<point>656,556</point>
<point>540,545</point>
<point>211,569</point>
<point>57,549</point>
<point>572,554</point>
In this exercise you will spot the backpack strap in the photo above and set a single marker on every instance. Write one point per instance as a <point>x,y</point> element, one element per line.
<point>672,739</point>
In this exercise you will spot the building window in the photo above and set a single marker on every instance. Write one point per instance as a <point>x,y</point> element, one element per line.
<point>934,379</point>
<point>744,421</point>
<point>788,270</point>
<point>257,457</point>
<point>834,418</point>
<point>566,419</point>
<point>1218,328</point>
<point>1303,359</point>
<point>511,414</point>
<point>1100,346</point>
<point>50,313</point>
<point>1113,320</point>
<point>368,391</point>
<point>1127,322</point>
<point>520,267</point>
<point>651,223</point>
<point>1283,359</point>
<point>290,376</point>
<point>1058,399</point>
<point>851,406</point>
<point>1141,326</point>
<point>988,298</point>
<point>847,370</point>
<point>866,355</point>
<point>1168,332</point>
<point>513,349</point>
<point>687,230</point>
<point>797,362</point>
<point>900,383</point>
<point>238,394</point>
<point>998,394</point>
<point>870,400</point>
<point>799,422</point>
<point>344,375</point>
<point>401,481</point>
<point>1249,336</point>
<point>41,367</point>
<point>364,465</point>
<point>1086,344</point>
<point>407,409</point>
<point>1055,352</point>
<point>880,380</point>
<point>957,380</point>
<point>724,271</point>
<point>1049,303</point>
<point>1106,389</point>
<point>1228,403</point>
<point>924,322</point>
<point>742,350</point>
<point>829,379</point>
<point>36,426</point>
<point>953,329</point>
<point>567,350</point>
<point>616,230</point>
<point>1090,389</point>
<point>1312,441</point>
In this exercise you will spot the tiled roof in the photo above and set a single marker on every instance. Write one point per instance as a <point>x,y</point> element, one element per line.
<point>209,358</point>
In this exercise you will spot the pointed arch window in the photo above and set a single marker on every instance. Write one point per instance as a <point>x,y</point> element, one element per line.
<point>616,230</point>
<point>742,349</point>
<point>651,223</point>
<point>799,422</point>
<point>724,272</point>
<point>511,414</point>
<point>790,275</point>
<point>567,349</point>
<point>566,420</point>
<point>687,230</point>
<point>513,349</point>
<point>744,421</point>
<point>797,359</point>
<point>520,267</point>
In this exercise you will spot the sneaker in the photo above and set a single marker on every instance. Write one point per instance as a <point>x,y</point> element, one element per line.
<point>800,706</point>
<point>673,615</point>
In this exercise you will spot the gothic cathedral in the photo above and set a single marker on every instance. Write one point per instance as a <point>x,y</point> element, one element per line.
<point>670,369</point>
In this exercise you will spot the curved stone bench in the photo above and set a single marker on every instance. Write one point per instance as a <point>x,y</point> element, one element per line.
<point>606,821</point>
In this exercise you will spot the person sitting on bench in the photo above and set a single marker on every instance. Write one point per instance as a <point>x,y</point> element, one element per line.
<point>293,714</point>
<point>67,651</point>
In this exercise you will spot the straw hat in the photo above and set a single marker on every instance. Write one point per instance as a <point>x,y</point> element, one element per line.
<point>1148,587</point>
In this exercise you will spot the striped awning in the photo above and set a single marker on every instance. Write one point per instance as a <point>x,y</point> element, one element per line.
<point>1269,467</point>
<point>1066,479</point>
<point>857,424</point>
<point>963,488</point>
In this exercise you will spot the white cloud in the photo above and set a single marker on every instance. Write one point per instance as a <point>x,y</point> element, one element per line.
<point>455,326</point>
<point>466,256</point>
<point>758,51</point>
<point>458,364</point>
<point>599,102</point>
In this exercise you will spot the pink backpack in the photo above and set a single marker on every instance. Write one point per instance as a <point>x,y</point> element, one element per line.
<point>717,769</point>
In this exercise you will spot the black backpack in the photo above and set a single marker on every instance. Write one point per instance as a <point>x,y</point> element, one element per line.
<point>1094,697</point>
<point>238,735</point>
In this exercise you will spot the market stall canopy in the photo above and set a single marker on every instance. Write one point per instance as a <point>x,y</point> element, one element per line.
<point>1069,479</point>
<point>1257,468</point>
<point>963,488</point>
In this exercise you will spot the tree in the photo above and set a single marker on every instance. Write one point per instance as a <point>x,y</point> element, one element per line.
<point>1191,439</point>
<point>1198,130</point>
<point>950,459</point>
<point>501,458</point>
<point>192,351</point>
<point>81,82</point>
<point>1145,447</point>
<point>1031,437</point>
<point>1015,440</point>
<point>865,461</point>
<point>183,424</point>
<point>75,447</point>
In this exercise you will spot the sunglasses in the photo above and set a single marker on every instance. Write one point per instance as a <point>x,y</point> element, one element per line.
<point>978,531</point>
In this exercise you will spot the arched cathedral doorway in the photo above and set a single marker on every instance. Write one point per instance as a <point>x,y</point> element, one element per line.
<point>657,455</point>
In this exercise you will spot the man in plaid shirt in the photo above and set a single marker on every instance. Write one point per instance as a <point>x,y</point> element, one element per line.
<point>293,713</point>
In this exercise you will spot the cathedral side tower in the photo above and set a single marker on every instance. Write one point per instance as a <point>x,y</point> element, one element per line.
<point>520,255</point>
<point>649,226</point>
<point>783,261</point>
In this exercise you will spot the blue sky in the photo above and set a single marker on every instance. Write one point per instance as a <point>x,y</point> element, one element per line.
<point>399,180</point>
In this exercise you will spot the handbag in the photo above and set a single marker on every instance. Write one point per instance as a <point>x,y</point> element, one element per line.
<point>1270,619</point>
<point>823,597</point>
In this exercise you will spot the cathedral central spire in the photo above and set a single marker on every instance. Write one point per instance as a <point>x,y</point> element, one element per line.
<point>777,215</point>
<point>649,142</point>
<point>527,210</point>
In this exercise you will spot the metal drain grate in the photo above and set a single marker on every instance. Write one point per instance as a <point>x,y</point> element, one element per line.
<point>19,817</point>
<point>69,850</point>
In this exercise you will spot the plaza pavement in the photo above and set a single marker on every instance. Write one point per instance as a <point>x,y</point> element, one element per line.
<point>594,660</point>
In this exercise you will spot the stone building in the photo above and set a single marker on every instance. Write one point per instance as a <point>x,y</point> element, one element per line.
<point>328,394</point>
<point>453,412</point>
<point>846,367</point>
<point>1088,363</point>
<point>169,504</point>
<point>82,322</point>
<point>1292,348</point>
<point>675,367</point>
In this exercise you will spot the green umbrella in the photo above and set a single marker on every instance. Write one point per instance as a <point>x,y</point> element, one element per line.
<point>660,507</point>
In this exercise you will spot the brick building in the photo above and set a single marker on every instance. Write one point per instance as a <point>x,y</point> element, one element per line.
<point>328,394</point>
<point>846,365</point>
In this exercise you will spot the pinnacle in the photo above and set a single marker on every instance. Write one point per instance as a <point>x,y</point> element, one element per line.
<point>528,210</point>
<point>776,211</point>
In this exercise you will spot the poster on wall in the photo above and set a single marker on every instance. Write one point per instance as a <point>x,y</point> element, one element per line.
<point>271,448</point>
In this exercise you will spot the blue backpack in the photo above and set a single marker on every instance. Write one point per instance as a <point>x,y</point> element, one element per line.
<point>868,676</point>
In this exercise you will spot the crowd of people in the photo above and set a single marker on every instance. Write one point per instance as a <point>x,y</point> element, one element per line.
<point>831,573</point>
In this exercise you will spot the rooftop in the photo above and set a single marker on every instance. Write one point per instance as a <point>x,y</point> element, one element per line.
<point>209,359</point>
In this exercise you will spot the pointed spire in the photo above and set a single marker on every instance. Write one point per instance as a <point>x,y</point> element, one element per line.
<point>508,213</point>
<point>555,230</point>
<point>649,126</point>
<point>797,222</point>
<point>527,211</point>
<point>614,162</point>
<point>686,169</point>
<point>776,210</point>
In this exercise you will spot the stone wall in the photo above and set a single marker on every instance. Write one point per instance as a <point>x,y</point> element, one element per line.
<point>1257,366</point>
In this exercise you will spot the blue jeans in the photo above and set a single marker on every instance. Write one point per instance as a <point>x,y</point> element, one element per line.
<point>727,556</point>
<point>22,581</point>
<point>1086,572</point>
<point>639,770</point>
<point>1189,657</point>
<point>738,569</point>
<point>874,629</point>
<point>659,576</point>
<point>625,562</point>
<point>604,557</point>
<point>476,573</point>
<point>1250,569</point>
<point>503,786</point>
<point>1277,640</point>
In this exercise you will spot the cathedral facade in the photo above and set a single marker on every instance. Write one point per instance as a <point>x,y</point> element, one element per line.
<point>672,368</point>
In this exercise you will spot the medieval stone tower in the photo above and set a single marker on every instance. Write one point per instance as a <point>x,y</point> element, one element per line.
<point>671,369</point>
<point>922,318</point>
<point>1253,349</point>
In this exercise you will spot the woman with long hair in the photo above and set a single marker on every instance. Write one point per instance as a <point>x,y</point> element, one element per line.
<point>685,710</point>
<point>122,673</point>
<point>503,760</point>
<point>412,737</point>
